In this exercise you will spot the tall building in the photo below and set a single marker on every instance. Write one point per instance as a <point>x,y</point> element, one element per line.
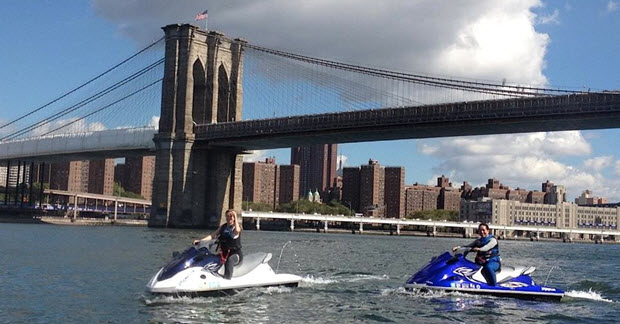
<point>449,199</point>
<point>260,182</point>
<point>101,177</point>
<point>394,192</point>
<point>555,195</point>
<point>351,188</point>
<point>420,197</point>
<point>372,185</point>
<point>289,183</point>
<point>78,176</point>
<point>14,174</point>
<point>59,175</point>
<point>317,167</point>
<point>139,172</point>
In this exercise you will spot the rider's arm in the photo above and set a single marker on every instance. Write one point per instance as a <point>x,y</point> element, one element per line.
<point>237,228</point>
<point>210,236</point>
<point>492,243</point>
<point>472,244</point>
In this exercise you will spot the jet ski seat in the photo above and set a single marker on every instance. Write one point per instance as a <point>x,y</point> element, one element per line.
<point>506,273</point>
<point>248,264</point>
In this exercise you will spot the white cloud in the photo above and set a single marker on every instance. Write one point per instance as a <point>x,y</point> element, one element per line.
<point>255,156</point>
<point>617,168</point>
<point>65,126</point>
<point>598,163</point>
<point>154,121</point>
<point>612,6</point>
<point>342,161</point>
<point>517,160</point>
<point>550,19</point>
<point>488,39</point>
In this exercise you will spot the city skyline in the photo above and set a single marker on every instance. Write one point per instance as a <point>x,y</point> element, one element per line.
<point>530,42</point>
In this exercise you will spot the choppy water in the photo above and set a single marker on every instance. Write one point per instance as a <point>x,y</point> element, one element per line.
<point>97,275</point>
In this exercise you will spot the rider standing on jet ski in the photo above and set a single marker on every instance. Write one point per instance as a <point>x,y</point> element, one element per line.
<point>487,253</point>
<point>229,236</point>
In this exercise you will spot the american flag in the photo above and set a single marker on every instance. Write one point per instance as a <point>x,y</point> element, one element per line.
<point>202,15</point>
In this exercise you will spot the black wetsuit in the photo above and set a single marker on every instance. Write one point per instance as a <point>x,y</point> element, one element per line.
<point>229,246</point>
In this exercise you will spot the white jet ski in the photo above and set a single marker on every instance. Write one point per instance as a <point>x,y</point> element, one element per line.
<point>198,272</point>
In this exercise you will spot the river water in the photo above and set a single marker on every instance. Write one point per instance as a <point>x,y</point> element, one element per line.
<point>97,274</point>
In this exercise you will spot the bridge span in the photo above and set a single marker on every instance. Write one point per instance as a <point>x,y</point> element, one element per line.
<point>515,115</point>
<point>81,146</point>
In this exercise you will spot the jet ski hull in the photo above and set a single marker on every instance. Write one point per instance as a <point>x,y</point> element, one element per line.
<point>456,274</point>
<point>197,272</point>
<point>541,296</point>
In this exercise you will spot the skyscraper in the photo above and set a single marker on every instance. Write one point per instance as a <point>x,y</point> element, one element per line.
<point>317,167</point>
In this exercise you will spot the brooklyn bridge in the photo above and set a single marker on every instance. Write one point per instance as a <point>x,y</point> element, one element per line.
<point>199,100</point>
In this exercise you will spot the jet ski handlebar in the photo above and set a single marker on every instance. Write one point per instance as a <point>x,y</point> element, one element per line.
<point>212,245</point>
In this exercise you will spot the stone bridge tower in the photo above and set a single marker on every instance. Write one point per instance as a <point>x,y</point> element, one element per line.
<point>195,184</point>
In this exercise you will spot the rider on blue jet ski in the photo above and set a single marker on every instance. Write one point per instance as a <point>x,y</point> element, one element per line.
<point>487,253</point>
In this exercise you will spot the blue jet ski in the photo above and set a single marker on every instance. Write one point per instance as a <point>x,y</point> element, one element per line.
<point>455,273</point>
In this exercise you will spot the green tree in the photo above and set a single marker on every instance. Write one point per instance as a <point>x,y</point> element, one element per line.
<point>309,207</point>
<point>256,206</point>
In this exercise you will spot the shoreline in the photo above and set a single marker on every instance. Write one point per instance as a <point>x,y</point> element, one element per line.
<point>68,221</point>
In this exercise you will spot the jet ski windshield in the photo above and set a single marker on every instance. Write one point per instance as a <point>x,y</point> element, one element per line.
<point>192,257</point>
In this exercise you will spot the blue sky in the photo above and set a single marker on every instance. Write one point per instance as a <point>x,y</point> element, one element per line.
<point>48,47</point>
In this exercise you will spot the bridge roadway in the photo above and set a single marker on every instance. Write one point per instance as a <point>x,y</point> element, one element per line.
<point>407,222</point>
<point>552,113</point>
<point>81,146</point>
<point>556,113</point>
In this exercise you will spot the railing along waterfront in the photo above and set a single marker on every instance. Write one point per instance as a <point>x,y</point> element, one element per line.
<point>399,223</point>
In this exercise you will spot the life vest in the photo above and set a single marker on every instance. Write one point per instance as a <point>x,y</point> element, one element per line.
<point>490,255</point>
<point>228,243</point>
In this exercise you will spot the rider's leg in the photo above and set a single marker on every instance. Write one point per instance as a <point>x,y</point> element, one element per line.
<point>230,263</point>
<point>488,271</point>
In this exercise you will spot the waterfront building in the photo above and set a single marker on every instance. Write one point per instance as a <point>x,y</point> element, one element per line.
<point>260,182</point>
<point>535,197</point>
<point>555,194</point>
<point>449,198</point>
<point>351,188</point>
<point>101,177</point>
<point>289,183</point>
<point>420,197</point>
<point>517,194</point>
<point>587,199</point>
<point>11,173</point>
<point>372,185</point>
<point>562,215</point>
<point>317,167</point>
<point>138,174</point>
<point>70,176</point>
<point>466,190</point>
<point>394,192</point>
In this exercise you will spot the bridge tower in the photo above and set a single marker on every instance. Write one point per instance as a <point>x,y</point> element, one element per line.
<point>195,184</point>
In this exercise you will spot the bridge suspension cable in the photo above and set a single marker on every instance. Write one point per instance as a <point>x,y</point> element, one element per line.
<point>436,81</point>
<point>130,82</point>
<point>83,84</point>
<point>85,102</point>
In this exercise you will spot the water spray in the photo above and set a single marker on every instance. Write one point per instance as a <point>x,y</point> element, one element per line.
<point>280,257</point>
